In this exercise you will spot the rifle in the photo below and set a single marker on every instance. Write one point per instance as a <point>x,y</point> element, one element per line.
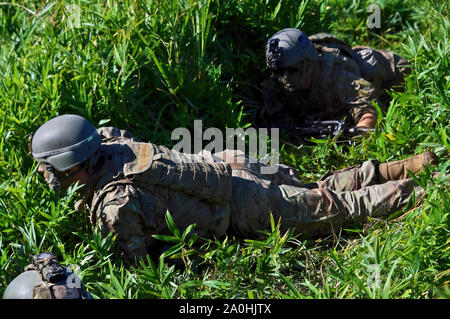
<point>324,129</point>
<point>316,129</point>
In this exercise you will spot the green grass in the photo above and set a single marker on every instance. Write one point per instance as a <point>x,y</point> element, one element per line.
<point>152,66</point>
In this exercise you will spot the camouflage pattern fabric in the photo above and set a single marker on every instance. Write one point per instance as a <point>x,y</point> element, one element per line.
<point>344,83</point>
<point>345,197</point>
<point>229,195</point>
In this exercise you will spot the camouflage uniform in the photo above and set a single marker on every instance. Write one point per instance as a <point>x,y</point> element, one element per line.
<point>344,82</point>
<point>141,181</point>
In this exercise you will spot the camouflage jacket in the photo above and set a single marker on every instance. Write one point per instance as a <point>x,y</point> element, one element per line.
<point>142,181</point>
<point>344,83</point>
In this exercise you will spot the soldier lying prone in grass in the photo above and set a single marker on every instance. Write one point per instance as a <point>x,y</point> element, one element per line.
<point>129,185</point>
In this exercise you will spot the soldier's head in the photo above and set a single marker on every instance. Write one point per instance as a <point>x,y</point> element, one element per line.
<point>66,147</point>
<point>45,278</point>
<point>290,55</point>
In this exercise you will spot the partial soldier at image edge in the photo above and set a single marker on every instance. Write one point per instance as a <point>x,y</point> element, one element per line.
<point>45,278</point>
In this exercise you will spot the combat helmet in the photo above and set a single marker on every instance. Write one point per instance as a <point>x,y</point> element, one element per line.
<point>65,141</point>
<point>288,47</point>
<point>45,278</point>
<point>62,143</point>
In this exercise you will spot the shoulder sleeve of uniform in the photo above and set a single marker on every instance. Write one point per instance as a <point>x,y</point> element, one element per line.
<point>121,213</point>
<point>112,132</point>
<point>356,94</point>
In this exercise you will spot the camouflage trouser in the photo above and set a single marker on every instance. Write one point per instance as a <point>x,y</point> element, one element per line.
<point>343,198</point>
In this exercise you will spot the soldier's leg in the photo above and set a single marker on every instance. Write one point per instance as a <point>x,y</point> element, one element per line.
<point>379,200</point>
<point>352,178</point>
<point>373,172</point>
<point>399,169</point>
<point>321,211</point>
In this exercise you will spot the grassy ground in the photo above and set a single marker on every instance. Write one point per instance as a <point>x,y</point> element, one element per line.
<point>151,66</point>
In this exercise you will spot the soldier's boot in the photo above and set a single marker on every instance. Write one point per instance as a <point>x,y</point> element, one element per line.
<point>399,169</point>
